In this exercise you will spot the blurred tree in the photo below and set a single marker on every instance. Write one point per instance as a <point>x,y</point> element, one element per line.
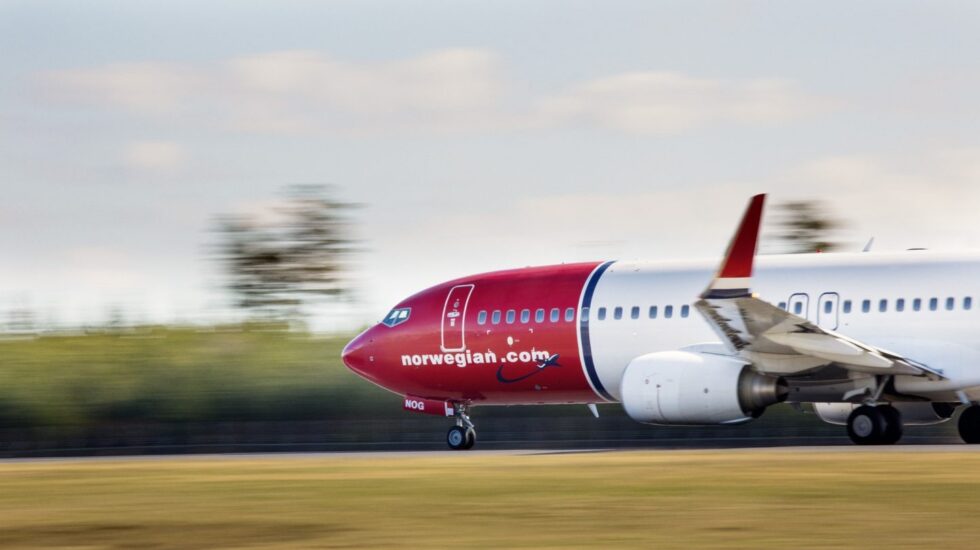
<point>806,226</point>
<point>298,251</point>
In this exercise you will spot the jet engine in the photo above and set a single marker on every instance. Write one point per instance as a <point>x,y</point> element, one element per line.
<point>912,413</point>
<point>682,387</point>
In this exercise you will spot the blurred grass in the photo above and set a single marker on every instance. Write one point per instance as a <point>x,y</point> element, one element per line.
<point>174,374</point>
<point>667,499</point>
<point>221,389</point>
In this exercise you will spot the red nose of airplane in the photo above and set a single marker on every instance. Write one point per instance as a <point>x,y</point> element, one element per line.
<point>357,354</point>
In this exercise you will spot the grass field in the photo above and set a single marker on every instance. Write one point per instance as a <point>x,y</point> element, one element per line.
<point>175,374</point>
<point>666,499</point>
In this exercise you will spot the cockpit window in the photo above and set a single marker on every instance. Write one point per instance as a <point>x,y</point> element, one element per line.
<point>397,316</point>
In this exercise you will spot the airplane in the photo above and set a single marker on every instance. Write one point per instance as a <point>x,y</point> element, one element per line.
<point>871,341</point>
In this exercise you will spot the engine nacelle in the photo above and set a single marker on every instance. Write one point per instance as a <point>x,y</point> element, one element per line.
<point>682,387</point>
<point>912,413</point>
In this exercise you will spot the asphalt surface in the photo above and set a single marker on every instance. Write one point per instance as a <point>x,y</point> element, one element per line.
<point>437,444</point>
<point>958,448</point>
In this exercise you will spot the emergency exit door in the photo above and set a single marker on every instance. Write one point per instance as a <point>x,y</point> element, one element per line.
<point>799,305</point>
<point>828,310</point>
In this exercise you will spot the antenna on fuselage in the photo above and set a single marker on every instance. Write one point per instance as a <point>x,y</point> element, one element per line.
<point>867,247</point>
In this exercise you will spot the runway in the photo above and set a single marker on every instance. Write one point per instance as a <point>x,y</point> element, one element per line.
<point>367,455</point>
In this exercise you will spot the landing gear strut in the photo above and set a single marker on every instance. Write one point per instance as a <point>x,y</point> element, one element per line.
<point>970,424</point>
<point>870,425</point>
<point>462,436</point>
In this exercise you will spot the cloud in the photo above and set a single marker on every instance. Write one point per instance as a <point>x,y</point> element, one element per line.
<point>448,80</point>
<point>670,103</point>
<point>927,200</point>
<point>141,88</point>
<point>445,91</point>
<point>298,92</point>
<point>154,155</point>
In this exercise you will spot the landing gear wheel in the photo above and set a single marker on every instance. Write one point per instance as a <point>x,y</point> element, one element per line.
<point>970,424</point>
<point>470,438</point>
<point>893,425</point>
<point>457,438</point>
<point>866,425</point>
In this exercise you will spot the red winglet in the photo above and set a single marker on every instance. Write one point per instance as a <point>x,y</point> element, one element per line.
<point>734,277</point>
<point>741,251</point>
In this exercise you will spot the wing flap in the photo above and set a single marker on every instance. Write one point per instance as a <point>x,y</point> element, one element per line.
<point>773,339</point>
<point>832,349</point>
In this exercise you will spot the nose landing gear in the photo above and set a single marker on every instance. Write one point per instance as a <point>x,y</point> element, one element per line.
<point>462,436</point>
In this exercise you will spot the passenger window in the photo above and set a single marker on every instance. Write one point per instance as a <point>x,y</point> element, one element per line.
<point>570,314</point>
<point>685,311</point>
<point>782,306</point>
<point>555,314</point>
<point>828,306</point>
<point>668,312</point>
<point>539,316</point>
<point>653,312</point>
<point>967,303</point>
<point>882,305</point>
<point>933,304</point>
<point>511,314</point>
<point>495,318</point>
<point>602,314</point>
<point>917,304</point>
<point>525,315</point>
<point>866,306</point>
<point>481,318</point>
<point>847,306</point>
<point>950,304</point>
<point>635,312</point>
<point>900,304</point>
<point>618,313</point>
<point>585,315</point>
<point>798,308</point>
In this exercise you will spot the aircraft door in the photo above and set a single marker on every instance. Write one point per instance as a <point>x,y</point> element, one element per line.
<point>453,318</point>
<point>828,314</point>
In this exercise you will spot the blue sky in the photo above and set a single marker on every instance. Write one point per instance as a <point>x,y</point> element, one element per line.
<point>480,135</point>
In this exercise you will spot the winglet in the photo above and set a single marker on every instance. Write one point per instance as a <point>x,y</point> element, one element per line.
<point>734,276</point>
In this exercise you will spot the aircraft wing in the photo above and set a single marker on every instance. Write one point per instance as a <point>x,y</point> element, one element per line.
<point>775,340</point>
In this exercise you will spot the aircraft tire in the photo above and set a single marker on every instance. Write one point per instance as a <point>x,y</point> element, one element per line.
<point>456,438</point>
<point>470,438</point>
<point>969,424</point>
<point>893,425</point>
<point>866,425</point>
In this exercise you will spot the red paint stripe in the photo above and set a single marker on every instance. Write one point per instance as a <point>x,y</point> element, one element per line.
<point>741,251</point>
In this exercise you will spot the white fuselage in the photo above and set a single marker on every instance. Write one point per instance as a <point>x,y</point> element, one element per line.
<point>922,305</point>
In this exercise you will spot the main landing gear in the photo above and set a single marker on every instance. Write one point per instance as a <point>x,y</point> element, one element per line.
<point>462,436</point>
<point>875,425</point>
<point>970,424</point>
